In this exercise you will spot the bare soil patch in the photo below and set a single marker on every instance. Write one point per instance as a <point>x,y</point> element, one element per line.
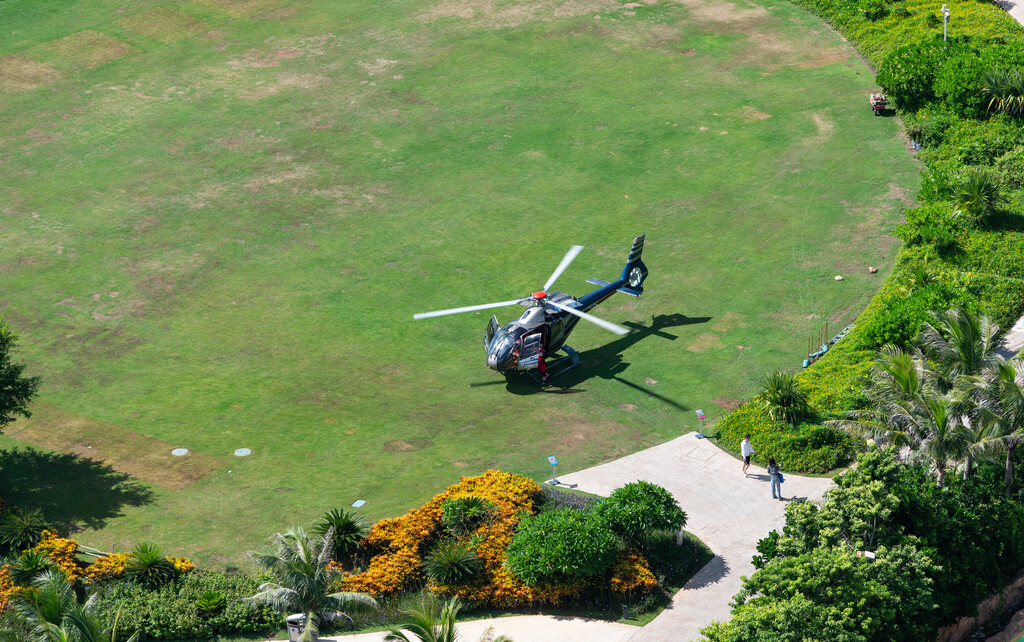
<point>87,49</point>
<point>19,73</point>
<point>128,452</point>
<point>705,342</point>
<point>728,403</point>
<point>400,446</point>
<point>728,321</point>
<point>164,24</point>
<point>243,9</point>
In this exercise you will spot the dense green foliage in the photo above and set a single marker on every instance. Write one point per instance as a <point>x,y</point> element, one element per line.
<point>561,545</point>
<point>16,390</point>
<point>148,566</point>
<point>452,562</point>
<point>782,398</point>
<point>464,514</point>
<point>638,509</point>
<point>21,528</point>
<point>937,553</point>
<point>179,610</point>
<point>346,529</point>
<point>806,447</point>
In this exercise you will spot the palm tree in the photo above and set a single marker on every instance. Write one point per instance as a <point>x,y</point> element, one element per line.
<point>899,385</point>
<point>349,531</point>
<point>945,438</point>
<point>433,622</point>
<point>298,563</point>
<point>959,344</point>
<point>977,195</point>
<point>960,348</point>
<point>1006,88</point>
<point>52,611</point>
<point>782,398</point>
<point>1003,412</point>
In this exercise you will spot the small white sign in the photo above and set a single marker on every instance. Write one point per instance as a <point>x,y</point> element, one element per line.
<point>358,503</point>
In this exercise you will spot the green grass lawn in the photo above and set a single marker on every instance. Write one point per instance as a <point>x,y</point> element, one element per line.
<point>218,219</point>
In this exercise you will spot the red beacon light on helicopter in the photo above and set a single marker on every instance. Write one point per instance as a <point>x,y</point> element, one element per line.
<point>539,295</point>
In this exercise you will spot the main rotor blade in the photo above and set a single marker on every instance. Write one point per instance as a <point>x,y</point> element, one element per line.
<point>470,308</point>
<point>573,252</point>
<point>607,325</point>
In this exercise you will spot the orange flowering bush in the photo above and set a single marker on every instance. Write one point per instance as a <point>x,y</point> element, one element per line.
<point>403,541</point>
<point>631,575</point>
<point>61,552</point>
<point>107,567</point>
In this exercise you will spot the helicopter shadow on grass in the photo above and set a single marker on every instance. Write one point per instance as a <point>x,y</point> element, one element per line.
<point>606,362</point>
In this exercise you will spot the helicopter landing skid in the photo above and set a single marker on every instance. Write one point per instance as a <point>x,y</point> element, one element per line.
<point>561,366</point>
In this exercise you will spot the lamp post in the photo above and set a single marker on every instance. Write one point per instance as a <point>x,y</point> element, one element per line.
<point>945,22</point>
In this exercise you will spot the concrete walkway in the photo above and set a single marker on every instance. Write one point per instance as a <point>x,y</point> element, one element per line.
<point>726,510</point>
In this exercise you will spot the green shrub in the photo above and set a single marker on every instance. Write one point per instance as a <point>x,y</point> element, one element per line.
<point>562,545</point>
<point>464,515</point>
<point>22,528</point>
<point>348,531</point>
<point>782,398</point>
<point>209,603</point>
<point>28,566</point>
<point>674,564</point>
<point>148,567</point>
<point>172,611</point>
<point>835,383</point>
<point>808,448</point>
<point>639,508</point>
<point>1011,167</point>
<point>452,562</point>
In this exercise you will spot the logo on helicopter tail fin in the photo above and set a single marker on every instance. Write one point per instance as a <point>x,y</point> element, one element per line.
<point>635,271</point>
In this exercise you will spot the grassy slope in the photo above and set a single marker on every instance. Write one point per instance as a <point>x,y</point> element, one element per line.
<point>272,200</point>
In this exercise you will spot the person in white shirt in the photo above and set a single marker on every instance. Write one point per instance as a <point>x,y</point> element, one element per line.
<point>746,450</point>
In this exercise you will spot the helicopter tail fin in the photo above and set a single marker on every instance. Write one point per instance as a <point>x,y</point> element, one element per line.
<point>635,271</point>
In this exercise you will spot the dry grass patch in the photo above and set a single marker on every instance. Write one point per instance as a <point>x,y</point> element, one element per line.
<point>125,451</point>
<point>164,24</point>
<point>18,73</point>
<point>512,13</point>
<point>244,9</point>
<point>85,50</point>
<point>705,342</point>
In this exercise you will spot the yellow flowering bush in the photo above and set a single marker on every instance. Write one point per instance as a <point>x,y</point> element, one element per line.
<point>403,541</point>
<point>631,575</point>
<point>107,567</point>
<point>182,565</point>
<point>7,587</point>
<point>62,552</point>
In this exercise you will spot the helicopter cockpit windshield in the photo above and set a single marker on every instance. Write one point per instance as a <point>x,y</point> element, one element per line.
<point>504,350</point>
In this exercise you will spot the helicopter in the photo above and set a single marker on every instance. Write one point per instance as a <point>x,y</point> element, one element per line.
<point>550,316</point>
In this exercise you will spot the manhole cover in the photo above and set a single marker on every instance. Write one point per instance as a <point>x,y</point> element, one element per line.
<point>242,452</point>
<point>179,452</point>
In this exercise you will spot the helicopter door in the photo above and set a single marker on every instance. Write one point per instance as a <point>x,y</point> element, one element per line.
<point>492,328</point>
<point>530,355</point>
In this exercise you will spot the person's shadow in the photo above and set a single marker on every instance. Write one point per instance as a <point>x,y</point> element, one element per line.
<point>72,492</point>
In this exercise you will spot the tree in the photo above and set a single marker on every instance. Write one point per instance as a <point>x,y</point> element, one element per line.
<point>1003,412</point>
<point>639,508</point>
<point>298,563</point>
<point>349,531</point>
<point>560,545</point>
<point>960,348</point>
<point>433,622</point>
<point>16,391</point>
<point>52,611</point>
